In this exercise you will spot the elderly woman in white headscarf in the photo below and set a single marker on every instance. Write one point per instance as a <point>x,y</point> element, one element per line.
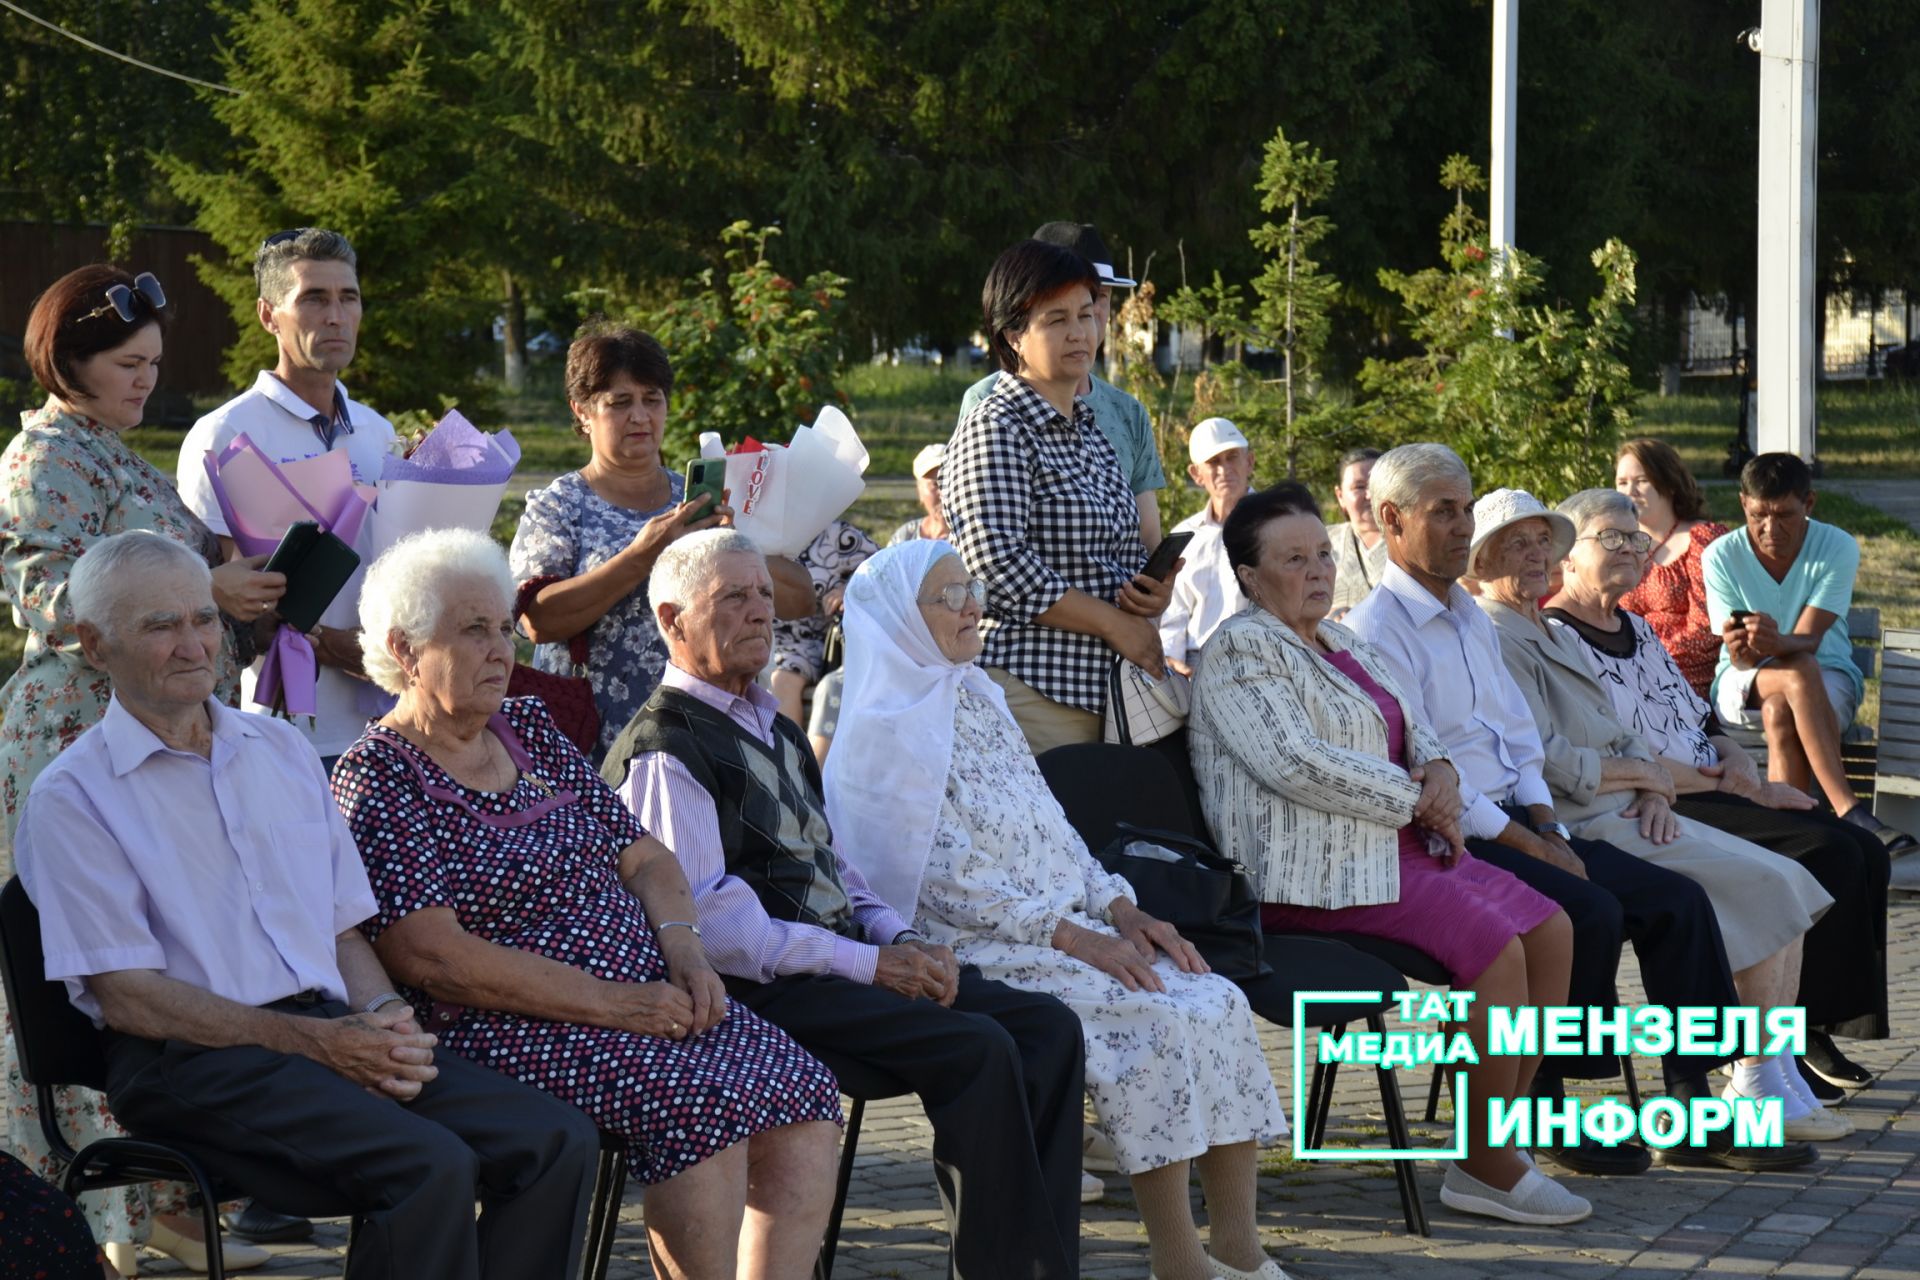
<point>936,798</point>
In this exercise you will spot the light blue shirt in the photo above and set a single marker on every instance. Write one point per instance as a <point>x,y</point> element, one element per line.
<point>232,874</point>
<point>1447,660</point>
<point>1821,576</point>
<point>1122,420</point>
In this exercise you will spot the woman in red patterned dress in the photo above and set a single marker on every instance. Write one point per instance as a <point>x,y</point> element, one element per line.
<point>1672,597</point>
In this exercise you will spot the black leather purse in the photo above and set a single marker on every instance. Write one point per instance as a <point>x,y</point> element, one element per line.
<point>1205,895</point>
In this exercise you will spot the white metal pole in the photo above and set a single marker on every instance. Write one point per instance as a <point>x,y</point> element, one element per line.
<point>1506,52</point>
<point>1784,350</point>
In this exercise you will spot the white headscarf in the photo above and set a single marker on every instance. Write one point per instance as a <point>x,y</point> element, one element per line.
<point>886,773</point>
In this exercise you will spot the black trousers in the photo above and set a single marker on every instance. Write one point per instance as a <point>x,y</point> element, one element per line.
<point>1843,970</point>
<point>1001,1074</point>
<point>302,1139</point>
<point>1666,916</point>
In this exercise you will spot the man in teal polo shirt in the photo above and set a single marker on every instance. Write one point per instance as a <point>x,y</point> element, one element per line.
<point>1120,417</point>
<point>1775,591</point>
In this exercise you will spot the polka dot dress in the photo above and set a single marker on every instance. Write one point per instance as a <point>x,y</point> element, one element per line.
<point>537,868</point>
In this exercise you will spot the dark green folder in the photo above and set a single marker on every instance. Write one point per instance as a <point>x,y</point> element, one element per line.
<point>317,565</point>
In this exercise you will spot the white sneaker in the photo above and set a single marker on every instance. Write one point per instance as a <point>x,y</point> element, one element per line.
<point>1536,1200</point>
<point>1814,1124</point>
<point>1267,1270</point>
<point>1096,1151</point>
<point>1091,1188</point>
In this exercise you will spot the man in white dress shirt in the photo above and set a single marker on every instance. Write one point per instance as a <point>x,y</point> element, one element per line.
<point>310,302</point>
<point>1206,593</point>
<point>1445,653</point>
<point>199,894</point>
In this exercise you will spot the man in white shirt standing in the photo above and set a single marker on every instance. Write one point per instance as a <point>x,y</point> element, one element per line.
<point>1206,593</point>
<point>310,302</point>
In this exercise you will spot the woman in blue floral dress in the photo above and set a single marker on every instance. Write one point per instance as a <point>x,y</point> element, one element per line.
<point>587,542</point>
<point>66,481</point>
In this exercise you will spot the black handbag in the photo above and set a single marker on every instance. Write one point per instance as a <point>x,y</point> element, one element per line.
<point>1206,896</point>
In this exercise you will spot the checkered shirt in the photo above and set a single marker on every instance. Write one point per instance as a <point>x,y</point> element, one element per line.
<point>1038,504</point>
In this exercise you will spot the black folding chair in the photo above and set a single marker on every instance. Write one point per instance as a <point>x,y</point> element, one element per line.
<point>861,1088</point>
<point>603,1212</point>
<point>1101,785</point>
<point>57,1046</point>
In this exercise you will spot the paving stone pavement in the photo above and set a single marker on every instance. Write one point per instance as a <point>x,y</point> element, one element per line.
<point>1856,1213</point>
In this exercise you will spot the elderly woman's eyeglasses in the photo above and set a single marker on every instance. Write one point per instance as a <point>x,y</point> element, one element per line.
<point>120,298</point>
<point>1637,542</point>
<point>956,594</point>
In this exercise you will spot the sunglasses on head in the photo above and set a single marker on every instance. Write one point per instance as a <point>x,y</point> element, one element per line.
<point>281,237</point>
<point>120,298</point>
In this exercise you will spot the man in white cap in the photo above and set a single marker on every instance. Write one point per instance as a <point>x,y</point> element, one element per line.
<point>926,485</point>
<point>1121,418</point>
<point>1206,593</point>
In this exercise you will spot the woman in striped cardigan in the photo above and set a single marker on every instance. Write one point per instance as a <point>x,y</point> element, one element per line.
<point>1346,811</point>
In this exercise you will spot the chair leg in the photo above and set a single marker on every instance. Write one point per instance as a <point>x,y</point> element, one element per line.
<point>603,1213</point>
<point>1633,1084</point>
<point>849,1145</point>
<point>1402,1140</point>
<point>1316,1120</point>
<point>210,1223</point>
<point>1318,1084</point>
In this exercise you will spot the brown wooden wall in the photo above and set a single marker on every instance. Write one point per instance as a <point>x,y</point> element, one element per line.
<point>34,255</point>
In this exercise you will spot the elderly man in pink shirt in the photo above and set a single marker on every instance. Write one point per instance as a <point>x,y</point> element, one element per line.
<point>731,787</point>
<point>199,894</point>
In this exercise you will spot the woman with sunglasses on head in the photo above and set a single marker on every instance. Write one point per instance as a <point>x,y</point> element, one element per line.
<point>68,479</point>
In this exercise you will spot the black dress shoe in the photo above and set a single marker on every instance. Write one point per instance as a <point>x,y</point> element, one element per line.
<point>1825,1060</point>
<point>1720,1153</point>
<point>262,1225</point>
<point>1818,1085</point>
<point>1596,1160</point>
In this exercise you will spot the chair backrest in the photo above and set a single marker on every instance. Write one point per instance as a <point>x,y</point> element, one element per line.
<point>1101,785</point>
<point>55,1043</point>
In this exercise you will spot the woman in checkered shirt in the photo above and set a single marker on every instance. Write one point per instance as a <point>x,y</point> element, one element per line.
<point>1039,507</point>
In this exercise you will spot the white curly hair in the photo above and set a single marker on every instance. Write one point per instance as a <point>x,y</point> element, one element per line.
<point>405,589</point>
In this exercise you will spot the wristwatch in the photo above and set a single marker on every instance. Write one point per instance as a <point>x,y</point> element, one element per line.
<point>1553,829</point>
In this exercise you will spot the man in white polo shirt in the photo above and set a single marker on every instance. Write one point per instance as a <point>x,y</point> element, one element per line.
<point>310,302</point>
<point>1206,593</point>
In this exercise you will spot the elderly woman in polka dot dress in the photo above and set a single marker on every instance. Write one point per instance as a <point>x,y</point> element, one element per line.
<point>555,941</point>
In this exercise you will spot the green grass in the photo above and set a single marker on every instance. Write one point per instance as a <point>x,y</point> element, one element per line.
<point>1865,430</point>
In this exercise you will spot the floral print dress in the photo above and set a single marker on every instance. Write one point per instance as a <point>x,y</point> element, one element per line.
<point>66,482</point>
<point>566,530</point>
<point>1170,1074</point>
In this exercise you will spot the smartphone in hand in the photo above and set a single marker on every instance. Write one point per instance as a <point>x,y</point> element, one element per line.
<point>706,479</point>
<point>1160,563</point>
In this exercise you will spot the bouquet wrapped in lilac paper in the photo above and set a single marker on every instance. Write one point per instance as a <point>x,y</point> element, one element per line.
<point>453,479</point>
<point>259,498</point>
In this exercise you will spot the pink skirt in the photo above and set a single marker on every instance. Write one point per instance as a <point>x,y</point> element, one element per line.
<point>1461,915</point>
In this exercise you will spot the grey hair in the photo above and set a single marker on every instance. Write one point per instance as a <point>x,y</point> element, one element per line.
<point>1400,474</point>
<point>684,567</point>
<point>94,584</point>
<point>405,591</point>
<point>273,265</point>
<point>1589,505</point>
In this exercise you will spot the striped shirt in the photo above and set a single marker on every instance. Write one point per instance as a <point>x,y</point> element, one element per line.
<point>741,939</point>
